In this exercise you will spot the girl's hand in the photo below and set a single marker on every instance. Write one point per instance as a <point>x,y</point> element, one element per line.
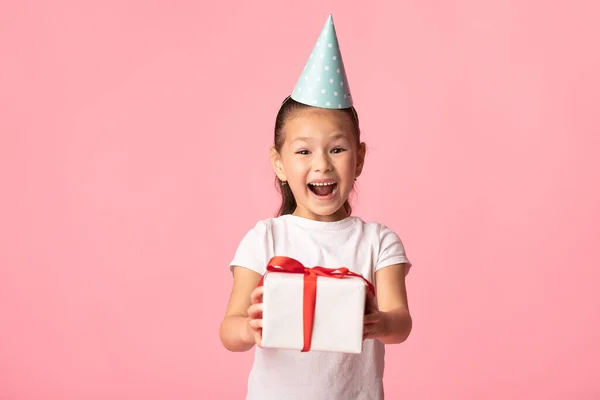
<point>255,311</point>
<point>373,321</point>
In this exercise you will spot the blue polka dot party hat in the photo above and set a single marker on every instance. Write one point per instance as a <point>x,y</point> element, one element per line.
<point>323,82</point>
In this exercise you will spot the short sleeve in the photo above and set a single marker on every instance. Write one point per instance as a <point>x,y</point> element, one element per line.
<point>391,250</point>
<point>251,252</point>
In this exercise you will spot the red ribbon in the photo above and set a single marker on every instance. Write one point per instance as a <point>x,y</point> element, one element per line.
<point>292,266</point>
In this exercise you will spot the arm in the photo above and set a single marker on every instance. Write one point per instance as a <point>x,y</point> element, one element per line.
<point>242,323</point>
<point>389,320</point>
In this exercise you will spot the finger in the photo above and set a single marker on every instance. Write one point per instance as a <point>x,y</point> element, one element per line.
<point>255,311</point>
<point>371,318</point>
<point>257,295</point>
<point>258,338</point>
<point>256,324</point>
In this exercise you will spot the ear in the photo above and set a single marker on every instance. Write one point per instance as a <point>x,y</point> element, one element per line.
<point>277,164</point>
<point>360,159</point>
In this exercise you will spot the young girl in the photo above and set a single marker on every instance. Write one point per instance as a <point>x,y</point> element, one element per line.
<point>317,156</point>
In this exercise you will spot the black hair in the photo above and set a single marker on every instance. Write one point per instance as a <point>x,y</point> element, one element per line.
<point>286,111</point>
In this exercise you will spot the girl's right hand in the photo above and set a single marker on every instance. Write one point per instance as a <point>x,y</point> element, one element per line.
<point>255,311</point>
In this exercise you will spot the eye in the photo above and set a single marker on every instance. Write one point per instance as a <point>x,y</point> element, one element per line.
<point>338,150</point>
<point>302,152</point>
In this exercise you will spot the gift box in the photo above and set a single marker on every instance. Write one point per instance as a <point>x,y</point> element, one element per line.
<point>313,309</point>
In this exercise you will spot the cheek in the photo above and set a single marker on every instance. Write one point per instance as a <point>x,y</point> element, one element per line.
<point>295,166</point>
<point>346,165</point>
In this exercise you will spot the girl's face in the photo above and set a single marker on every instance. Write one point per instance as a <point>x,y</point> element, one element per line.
<point>320,159</point>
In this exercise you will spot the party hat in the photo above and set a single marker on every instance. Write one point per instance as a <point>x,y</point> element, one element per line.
<point>323,82</point>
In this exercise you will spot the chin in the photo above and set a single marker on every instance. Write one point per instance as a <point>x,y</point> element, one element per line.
<point>323,208</point>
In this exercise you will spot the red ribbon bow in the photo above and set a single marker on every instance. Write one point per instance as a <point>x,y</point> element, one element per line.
<point>292,266</point>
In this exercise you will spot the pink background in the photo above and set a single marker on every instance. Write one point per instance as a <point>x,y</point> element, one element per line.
<point>134,156</point>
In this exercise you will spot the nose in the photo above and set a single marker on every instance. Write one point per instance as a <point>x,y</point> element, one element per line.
<point>322,162</point>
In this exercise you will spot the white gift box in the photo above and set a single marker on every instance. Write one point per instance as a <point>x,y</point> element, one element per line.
<point>338,318</point>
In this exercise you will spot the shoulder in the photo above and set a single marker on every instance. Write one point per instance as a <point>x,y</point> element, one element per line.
<point>266,226</point>
<point>264,231</point>
<point>390,248</point>
<point>255,246</point>
<point>376,229</point>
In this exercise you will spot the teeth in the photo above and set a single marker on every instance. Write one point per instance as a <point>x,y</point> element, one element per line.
<point>323,184</point>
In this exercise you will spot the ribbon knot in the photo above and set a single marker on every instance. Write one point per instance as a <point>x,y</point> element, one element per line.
<point>292,266</point>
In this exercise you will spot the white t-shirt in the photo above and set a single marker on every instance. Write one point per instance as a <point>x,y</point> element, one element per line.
<point>281,374</point>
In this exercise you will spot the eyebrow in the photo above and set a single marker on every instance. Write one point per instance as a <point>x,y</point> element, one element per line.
<point>308,139</point>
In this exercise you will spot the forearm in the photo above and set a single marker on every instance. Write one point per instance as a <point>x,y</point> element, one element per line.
<point>235,333</point>
<point>397,325</point>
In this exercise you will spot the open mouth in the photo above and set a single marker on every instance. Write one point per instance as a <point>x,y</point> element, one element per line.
<point>323,189</point>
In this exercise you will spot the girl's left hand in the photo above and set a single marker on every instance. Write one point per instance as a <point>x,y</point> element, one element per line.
<point>373,321</point>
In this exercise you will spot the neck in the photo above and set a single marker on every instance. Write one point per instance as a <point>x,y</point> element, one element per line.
<point>337,216</point>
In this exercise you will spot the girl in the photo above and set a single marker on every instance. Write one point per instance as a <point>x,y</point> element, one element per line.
<point>317,156</point>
